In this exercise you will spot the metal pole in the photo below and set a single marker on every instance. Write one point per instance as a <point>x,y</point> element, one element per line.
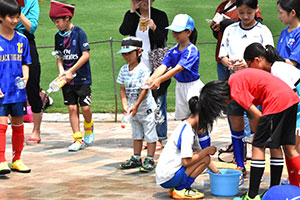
<point>114,78</point>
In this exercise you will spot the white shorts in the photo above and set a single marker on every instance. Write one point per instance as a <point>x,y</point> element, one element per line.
<point>143,127</point>
<point>183,92</point>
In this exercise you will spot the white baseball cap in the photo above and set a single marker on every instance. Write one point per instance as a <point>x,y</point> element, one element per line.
<point>182,22</point>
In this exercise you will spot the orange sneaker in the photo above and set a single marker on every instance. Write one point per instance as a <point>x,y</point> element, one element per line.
<point>243,170</point>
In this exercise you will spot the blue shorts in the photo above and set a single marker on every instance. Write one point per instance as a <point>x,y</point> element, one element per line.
<point>178,179</point>
<point>14,109</point>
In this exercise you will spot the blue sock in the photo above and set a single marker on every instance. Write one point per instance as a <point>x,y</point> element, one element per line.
<point>204,140</point>
<point>238,147</point>
<point>187,184</point>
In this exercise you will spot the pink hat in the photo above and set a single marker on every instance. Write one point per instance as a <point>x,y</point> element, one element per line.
<point>58,10</point>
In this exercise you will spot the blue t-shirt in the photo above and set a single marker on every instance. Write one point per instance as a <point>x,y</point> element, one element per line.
<point>133,80</point>
<point>72,47</point>
<point>289,45</point>
<point>13,54</point>
<point>188,58</point>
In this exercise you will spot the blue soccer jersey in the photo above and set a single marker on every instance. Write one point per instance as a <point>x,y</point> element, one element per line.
<point>289,45</point>
<point>188,58</point>
<point>72,47</point>
<point>13,54</point>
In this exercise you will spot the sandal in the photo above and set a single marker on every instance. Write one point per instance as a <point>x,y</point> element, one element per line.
<point>226,149</point>
<point>31,140</point>
<point>144,146</point>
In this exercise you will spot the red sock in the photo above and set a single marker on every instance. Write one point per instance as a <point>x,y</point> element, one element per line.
<point>294,170</point>
<point>3,128</point>
<point>17,141</point>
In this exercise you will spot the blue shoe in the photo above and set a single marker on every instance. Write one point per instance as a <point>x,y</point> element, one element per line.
<point>77,145</point>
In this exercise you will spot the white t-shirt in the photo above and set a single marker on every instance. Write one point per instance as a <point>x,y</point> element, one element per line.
<point>144,35</point>
<point>286,72</point>
<point>170,160</point>
<point>236,39</point>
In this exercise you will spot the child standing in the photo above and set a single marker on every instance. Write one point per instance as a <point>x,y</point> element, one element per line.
<point>235,39</point>
<point>274,126</point>
<point>289,41</point>
<point>183,59</point>
<point>138,103</point>
<point>182,161</point>
<point>14,61</point>
<point>72,42</point>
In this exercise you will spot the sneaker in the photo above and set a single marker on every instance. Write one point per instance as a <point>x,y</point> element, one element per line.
<point>131,163</point>
<point>171,192</point>
<point>19,166</point>
<point>148,165</point>
<point>285,182</point>
<point>187,194</point>
<point>246,197</point>
<point>77,145</point>
<point>89,135</point>
<point>243,171</point>
<point>4,169</point>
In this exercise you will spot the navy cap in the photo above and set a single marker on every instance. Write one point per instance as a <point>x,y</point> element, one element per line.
<point>130,44</point>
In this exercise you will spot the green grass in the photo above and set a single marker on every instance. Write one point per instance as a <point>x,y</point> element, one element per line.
<point>100,19</point>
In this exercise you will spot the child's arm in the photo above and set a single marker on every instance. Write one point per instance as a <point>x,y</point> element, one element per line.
<point>211,150</point>
<point>59,63</point>
<point>135,107</point>
<point>156,82</point>
<point>256,114</point>
<point>291,62</point>
<point>123,99</point>
<point>82,60</point>
<point>25,69</point>
<point>157,73</point>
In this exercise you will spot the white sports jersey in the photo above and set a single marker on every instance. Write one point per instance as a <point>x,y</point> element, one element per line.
<point>236,39</point>
<point>286,72</point>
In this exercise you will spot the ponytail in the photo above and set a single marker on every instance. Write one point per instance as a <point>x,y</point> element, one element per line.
<point>193,36</point>
<point>257,50</point>
<point>194,105</point>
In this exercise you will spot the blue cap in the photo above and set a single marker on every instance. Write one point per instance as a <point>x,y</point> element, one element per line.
<point>182,22</point>
<point>130,44</point>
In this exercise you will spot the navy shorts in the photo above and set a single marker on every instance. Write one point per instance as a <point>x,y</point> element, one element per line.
<point>13,109</point>
<point>178,179</point>
<point>74,94</point>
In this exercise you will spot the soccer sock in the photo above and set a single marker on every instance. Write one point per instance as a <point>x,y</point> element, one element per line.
<point>137,156</point>
<point>17,141</point>
<point>256,173</point>
<point>88,127</point>
<point>77,136</point>
<point>276,170</point>
<point>294,170</point>
<point>3,128</point>
<point>238,147</point>
<point>204,140</point>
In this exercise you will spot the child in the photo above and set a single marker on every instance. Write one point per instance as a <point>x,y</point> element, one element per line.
<point>139,103</point>
<point>289,41</point>
<point>182,160</point>
<point>274,126</point>
<point>268,59</point>
<point>184,62</point>
<point>72,42</point>
<point>14,61</point>
<point>235,39</point>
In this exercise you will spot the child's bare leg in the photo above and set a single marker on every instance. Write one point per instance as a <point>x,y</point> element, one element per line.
<point>298,141</point>
<point>196,169</point>
<point>74,117</point>
<point>37,119</point>
<point>137,147</point>
<point>151,148</point>
<point>87,113</point>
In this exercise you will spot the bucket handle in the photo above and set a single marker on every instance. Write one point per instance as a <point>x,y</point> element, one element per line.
<point>241,180</point>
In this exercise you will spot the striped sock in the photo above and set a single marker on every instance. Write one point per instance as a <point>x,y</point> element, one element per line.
<point>256,173</point>
<point>238,147</point>
<point>276,170</point>
<point>204,140</point>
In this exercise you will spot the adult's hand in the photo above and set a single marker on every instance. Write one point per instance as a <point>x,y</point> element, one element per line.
<point>151,24</point>
<point>134,5</point>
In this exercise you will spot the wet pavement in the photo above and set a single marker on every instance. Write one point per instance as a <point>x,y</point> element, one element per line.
<point>93,173</point>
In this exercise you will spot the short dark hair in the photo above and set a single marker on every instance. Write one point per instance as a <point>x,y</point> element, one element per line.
<point>250,3</point>
<point>9,7</point>
<point>289,5</point>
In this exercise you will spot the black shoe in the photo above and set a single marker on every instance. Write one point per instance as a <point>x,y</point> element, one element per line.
<point>148,165</point>
<point>131,163</point>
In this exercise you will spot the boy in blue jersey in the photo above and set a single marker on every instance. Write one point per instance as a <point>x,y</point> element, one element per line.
<point>183,59</point>
<point>72,42</point>
<point>139,103</point>
<point>14,61</point>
